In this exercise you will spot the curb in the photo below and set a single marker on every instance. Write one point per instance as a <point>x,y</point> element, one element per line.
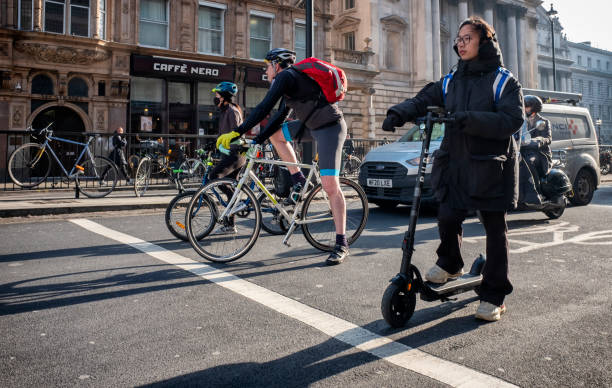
<point>67,208</point>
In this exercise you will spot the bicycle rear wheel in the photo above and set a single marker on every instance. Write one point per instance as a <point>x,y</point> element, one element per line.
<point>143,176</point>
<point>29,165</point>
<point>319,229</point>
<point>176,215</point>
<point>236,233</point>
<point>99,177</point>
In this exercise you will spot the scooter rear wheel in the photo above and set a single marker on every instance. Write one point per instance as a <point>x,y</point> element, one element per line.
<point>397,305</point>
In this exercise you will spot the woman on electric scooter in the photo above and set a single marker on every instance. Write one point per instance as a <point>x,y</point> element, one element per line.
<point>476,167</point>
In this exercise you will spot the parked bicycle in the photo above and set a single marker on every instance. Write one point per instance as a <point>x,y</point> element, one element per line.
<point>234,209</point>
<point>30,165</point>
<point>605,161</point>
<point>156,161</point>
<point>350,164</point>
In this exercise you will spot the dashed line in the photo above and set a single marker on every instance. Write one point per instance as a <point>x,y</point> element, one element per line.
<point>444,371</point>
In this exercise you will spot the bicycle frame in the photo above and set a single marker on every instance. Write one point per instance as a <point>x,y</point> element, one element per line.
<point>47,145</point>
<point>234,207</point>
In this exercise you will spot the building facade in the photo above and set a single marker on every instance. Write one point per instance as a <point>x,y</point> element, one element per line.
<point>391,48</point>
<point>150,65</point>
<point>580,68</point>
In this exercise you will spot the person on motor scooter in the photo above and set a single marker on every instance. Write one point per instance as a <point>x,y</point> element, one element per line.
<point>536,152</point>
<point>476,167</point>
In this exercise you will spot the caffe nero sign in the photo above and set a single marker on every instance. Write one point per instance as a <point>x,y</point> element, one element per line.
<point>164,67</point>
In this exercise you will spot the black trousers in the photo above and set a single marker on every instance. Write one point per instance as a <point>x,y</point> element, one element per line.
<point>495,284</point>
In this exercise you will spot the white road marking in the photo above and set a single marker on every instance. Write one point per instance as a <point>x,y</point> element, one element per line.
<point>447,372</point>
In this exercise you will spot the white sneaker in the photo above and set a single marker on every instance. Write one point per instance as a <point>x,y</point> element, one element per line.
<point>490,312</point>
<point>438,275</point>
<point>231,229</point>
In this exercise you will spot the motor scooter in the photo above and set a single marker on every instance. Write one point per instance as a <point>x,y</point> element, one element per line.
<point>399,300</point>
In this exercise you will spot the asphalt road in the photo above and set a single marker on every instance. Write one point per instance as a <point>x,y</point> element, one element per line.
<point>117,301</point>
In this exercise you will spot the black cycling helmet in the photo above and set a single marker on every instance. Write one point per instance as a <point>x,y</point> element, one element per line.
<point>284,57</point>
<point>534,102</point>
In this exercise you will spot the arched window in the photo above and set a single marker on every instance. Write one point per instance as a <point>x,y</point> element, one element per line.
<point>42,84</point>
<point>77,87</point>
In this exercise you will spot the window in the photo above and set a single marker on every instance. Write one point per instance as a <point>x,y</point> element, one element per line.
<point>578,127</point>
<point>579,59</point>
<point>179,93</point>
<point>300,41</point>
<point>608,66</point>
<point>54,16</point>
<point>42,84</point>
<point>392,56</point>
<point>590,88</point>
<point>210,29</point>
<point>580,86</point>
<point>102,88</point>
<point>588,62</point>
<point>102,21</point>
<point>153,23</point>
<point>79,17</point>
<point>599,89</point>
<point>146,108</point>
<point>260,32</point>
<point>349,41</point>
<point>349,4</point>
<point>25,14</point>
<point>77,87</point>
<point>598,64</point>
<point>609,91</point>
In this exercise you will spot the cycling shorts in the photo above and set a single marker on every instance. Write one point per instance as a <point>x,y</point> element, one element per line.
<point>329,140</point>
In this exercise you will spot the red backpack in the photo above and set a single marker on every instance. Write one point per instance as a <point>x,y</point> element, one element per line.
<point>330,78</point>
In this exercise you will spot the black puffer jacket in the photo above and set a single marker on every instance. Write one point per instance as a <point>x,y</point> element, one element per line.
<point>476,166</point>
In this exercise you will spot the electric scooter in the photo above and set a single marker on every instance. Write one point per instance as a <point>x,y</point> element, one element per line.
<point>399,300</point>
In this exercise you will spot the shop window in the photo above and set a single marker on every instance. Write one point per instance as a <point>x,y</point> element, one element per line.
<point>349,41</point>
<point>54,16</point>
<point>300,40</point>
<point>25,15</point>
<point>210,28</point>
<point>102,20</point>
<point>260,32</point>
<point>254,96</point>
<point>153,23</point>
<point>205,93</point>
<point>77,87</point>
<point>179,93</point>
<point>146,108</point>
<point>42,84</point>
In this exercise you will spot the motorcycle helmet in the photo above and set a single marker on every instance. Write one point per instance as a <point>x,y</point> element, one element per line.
<point>284,57</point>
<point>555,183</point>
<point>534,102</point>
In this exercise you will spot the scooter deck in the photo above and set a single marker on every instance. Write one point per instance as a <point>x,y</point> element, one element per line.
<point>464,283</point>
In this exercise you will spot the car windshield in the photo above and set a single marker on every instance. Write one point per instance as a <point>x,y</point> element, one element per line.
<point>416,135</point>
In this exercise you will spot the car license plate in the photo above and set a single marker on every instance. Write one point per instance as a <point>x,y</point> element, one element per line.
<point>373,182</point>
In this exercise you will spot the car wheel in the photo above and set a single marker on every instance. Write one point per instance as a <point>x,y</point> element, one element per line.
<point>584,187</point>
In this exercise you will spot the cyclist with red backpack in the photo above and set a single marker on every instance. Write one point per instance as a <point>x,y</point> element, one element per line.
<point>299,90</point>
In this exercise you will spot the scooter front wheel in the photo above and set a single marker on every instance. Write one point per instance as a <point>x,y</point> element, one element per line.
<point>397,305</point>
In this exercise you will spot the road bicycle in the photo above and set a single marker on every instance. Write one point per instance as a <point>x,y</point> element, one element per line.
<point>30,165</point>
<point>176,210</point>
<point>233,208</point>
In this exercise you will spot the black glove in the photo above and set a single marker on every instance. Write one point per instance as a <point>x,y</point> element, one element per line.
<point>392,121</point>
<point>459,119</point>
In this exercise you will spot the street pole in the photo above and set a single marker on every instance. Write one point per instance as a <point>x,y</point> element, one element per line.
<point>307,147</point>
<point>550,14</point>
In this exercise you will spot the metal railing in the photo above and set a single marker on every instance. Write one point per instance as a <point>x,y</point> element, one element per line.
<point>182,146</point>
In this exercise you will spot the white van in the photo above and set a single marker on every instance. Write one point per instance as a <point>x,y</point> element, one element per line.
<point>388,173</point>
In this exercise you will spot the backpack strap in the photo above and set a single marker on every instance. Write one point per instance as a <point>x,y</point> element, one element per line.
<point>445,82</point>
<point>502,76</point>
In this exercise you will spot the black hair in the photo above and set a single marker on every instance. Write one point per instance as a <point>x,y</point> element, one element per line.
<point>487,32</point>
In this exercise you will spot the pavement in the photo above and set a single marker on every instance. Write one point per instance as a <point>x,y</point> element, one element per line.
<point>23,203</point>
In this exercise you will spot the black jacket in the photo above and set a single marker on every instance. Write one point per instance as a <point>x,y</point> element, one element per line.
<point>477,165</point>
<point>117,155</point>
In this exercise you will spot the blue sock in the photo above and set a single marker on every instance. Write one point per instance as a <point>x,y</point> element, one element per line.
<point>341,240</point>
<point>298,177</point>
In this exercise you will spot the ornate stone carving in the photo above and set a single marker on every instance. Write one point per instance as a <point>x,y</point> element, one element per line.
<point>17,116</point>
<point>62,54</point>
<point>100,120</point>
<point>4,49</point>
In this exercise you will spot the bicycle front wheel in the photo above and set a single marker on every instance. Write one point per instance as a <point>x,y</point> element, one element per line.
<point>29,165</point>
<point>319,228</point>
<point>143,176</point>
<point>99,177</point>
<point>272,220</point>
<point>236,233</point>
<point>176,214</point>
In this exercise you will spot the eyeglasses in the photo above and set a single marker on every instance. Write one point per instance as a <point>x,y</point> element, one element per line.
<point>465,39</point>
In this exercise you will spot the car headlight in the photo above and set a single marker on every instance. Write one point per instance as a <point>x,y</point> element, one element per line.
<point>416,161</point>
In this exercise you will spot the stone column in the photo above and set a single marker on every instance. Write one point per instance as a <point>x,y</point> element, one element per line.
<point>550,80</point>
<point>95,10</point>
<point>437,54</point>
<point>38,4</point>
<point>428,43</point>
<point>11,10</point>
<point>488,12</point>
<point>512,60</point>
<point>463,10</point>
<point>522,57</point>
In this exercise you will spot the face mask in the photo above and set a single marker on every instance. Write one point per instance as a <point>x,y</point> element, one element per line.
<point>216,101</point>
